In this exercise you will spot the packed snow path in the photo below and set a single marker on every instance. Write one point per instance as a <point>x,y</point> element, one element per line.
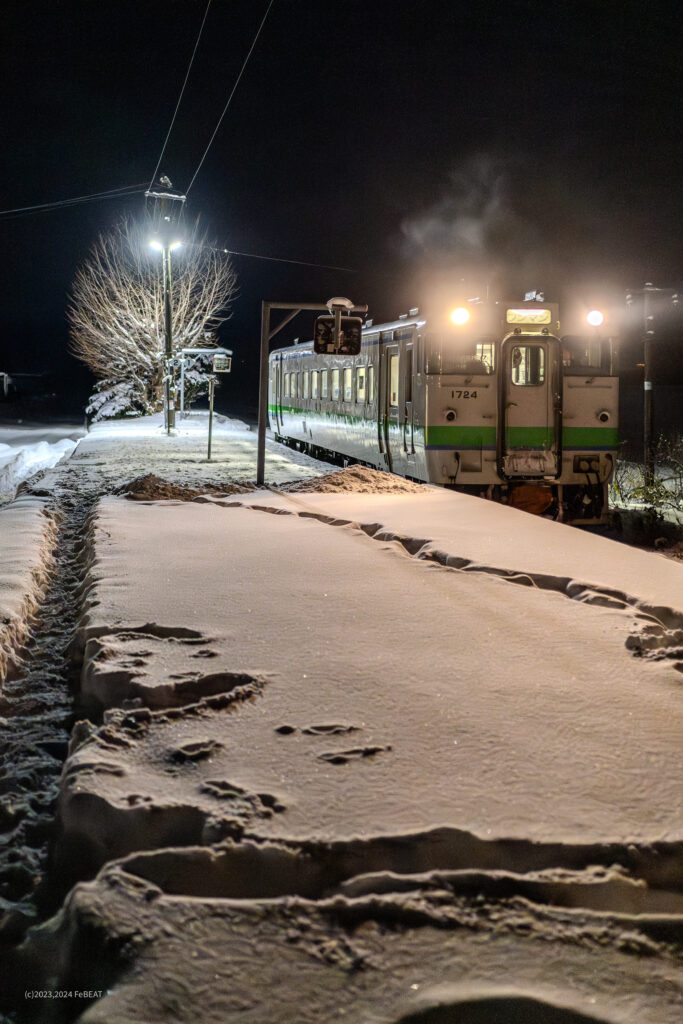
<point>350,768</point>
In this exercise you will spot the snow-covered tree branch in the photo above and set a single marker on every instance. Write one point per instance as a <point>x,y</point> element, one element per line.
<point>116,311</point>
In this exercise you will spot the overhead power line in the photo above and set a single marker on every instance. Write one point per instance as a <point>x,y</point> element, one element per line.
<point>276,259</point>
<point>177,106</point>
<point>114,193</point>
<point>234,89</point>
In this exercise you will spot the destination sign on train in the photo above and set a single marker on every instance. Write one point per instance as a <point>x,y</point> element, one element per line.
<point>528,316</point>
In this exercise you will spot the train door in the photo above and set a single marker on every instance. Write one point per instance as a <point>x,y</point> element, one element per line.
<point>529,441</point>
<point>408,360</point>
<point>277,383</point>
<point>390,419</point>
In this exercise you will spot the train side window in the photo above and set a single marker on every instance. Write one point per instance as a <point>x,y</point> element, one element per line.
<point>527,368</point>
<point>324,384</point>
<point>393,382</point>
<point>371,383</point>
<point>409,374</point>
<point>285,385</point>
<point>293,377</point>
<point>314,383</point>
<point>348,384</point>
<point>360,384</point>
<point>304,381</point>
<point>335,385</point>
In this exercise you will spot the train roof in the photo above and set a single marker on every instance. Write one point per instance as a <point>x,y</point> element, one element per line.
<point>373,328</point>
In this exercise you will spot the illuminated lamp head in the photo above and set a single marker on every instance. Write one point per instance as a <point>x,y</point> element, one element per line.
<point>595,318</point>
<point>460,316</point>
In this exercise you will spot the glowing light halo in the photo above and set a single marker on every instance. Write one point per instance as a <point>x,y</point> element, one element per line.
<point>595,318</point>
<point>460,316</point>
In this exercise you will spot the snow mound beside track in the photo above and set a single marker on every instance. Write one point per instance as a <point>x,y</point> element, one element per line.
<point>356,478</point>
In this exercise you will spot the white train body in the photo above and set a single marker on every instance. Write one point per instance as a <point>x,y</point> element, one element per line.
<point>500,406</point>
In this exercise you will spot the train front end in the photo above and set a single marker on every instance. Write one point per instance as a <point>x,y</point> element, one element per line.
<point>521,412</point>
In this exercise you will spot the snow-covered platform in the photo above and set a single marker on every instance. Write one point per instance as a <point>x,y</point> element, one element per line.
<point>359,690</point>
<point>400,755</point>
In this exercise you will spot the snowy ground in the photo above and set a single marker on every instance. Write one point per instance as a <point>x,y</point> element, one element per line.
<point>393,755</point>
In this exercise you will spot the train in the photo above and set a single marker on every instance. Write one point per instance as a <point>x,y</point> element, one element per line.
<point>489,398</point>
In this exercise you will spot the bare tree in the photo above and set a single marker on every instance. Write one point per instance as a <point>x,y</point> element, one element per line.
<point>116,310</point>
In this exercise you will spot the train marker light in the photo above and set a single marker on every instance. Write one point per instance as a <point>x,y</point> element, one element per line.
<point>460,316</point>
<point>595,318</point>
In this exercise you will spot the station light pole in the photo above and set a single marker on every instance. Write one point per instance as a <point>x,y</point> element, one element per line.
<point>165,250</point>
<point>165,242</point>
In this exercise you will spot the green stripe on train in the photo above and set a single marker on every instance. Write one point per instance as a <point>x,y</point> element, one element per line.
<point>455,437</point>
<point>590,437</point>
<point>447,436</point>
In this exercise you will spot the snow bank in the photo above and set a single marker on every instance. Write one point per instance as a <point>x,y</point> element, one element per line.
<point>26,540</point>
<point>20,463</point>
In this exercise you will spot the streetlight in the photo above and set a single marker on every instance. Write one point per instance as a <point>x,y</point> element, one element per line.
<point>166,251</point>
<point>164,201</point>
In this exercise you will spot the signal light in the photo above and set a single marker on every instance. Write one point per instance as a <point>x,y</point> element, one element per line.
<point>595,318</point>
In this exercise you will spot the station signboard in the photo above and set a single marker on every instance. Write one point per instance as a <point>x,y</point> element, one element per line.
<point>221,363</point>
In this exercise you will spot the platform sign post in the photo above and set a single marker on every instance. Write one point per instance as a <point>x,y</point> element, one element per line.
<point>334,307</point>
<point>212,387</point>
<point>221,364</point>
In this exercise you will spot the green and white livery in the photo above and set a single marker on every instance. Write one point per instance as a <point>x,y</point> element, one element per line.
<point>489,398</point>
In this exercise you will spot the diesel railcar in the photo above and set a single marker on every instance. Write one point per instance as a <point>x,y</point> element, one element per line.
<point>489,398</point>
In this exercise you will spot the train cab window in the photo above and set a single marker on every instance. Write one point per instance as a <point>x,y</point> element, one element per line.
<point>335,385</point>
<point>451,353</point>
<point>324,384</point>
<point>304,381</point>
<point>314,383</point>
<point>348,384</point>
<point>360,384</point>
<point>486,351</point>
<point>371,383</point>
<point>581,355</point>
<point>393,381</point>
<point>527,365</point>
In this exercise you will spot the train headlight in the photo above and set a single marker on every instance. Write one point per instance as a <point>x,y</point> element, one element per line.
<point>460,316</point>
<point>595,318</point>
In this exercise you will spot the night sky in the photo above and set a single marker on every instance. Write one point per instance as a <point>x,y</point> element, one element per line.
<point>514,145</point>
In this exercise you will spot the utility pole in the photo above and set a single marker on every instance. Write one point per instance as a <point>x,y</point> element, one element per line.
<point>649,293</point>
<point>163,216</point>
<point>266,334</point>
<point>169,404</point>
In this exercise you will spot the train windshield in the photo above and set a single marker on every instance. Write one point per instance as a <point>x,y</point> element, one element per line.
<point>451,353</point>
<point>582,354</point>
